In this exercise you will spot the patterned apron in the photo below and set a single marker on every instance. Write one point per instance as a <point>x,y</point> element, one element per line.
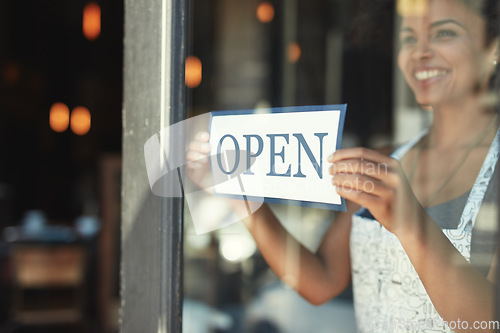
<point>388,294</point>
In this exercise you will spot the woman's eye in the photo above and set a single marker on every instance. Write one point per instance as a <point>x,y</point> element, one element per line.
<point>408,40</point>
<point>443,34</point>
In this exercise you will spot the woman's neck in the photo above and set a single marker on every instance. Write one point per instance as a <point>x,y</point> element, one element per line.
<point>457,126</point>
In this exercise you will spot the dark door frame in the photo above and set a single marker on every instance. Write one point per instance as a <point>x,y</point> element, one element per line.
<point>152,246</point>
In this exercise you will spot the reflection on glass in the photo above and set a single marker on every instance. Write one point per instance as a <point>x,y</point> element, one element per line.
<point>419,243</point>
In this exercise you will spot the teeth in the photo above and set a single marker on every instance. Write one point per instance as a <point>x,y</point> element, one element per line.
<point>425,75</point>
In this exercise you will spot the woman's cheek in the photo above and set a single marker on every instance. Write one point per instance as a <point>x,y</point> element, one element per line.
<point>402,59</point>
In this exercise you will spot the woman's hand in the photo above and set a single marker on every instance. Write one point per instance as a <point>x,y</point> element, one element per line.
<point>377,182</point>
<point>198,166</point>
<point>198,171</point>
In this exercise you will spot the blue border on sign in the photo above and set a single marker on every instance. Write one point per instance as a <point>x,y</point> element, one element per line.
<point>288,109</point>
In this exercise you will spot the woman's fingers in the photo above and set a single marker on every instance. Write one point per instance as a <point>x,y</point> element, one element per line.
<point>392,176</point>
<point>361,183</point>
<point>358,166</point>
<point>200,143</point>
<point>202,136</point>
<point>364,199</point>
<point>361,154</point>
<point>199,146</point>
<point>199,150</point>
<point>376,182</point>
<point>367,162</point>
<point>195,158</point>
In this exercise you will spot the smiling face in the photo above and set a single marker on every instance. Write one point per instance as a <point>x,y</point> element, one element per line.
<point>443,54</point>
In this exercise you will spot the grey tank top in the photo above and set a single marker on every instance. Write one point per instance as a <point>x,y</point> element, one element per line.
<point>484,240</point>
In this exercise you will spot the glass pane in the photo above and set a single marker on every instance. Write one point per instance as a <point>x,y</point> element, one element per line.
<point>415,250</point>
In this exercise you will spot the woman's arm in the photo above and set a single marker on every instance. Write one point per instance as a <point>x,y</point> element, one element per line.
<point>319,276</point>
<point>457,290</point>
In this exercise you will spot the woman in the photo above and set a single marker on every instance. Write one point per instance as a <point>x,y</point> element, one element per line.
<point>412,269</point>
<point>448,58</point>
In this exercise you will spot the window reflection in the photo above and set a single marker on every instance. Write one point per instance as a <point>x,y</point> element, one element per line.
<point>324,52</point>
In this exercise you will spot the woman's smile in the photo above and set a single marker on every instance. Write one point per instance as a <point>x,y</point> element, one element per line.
<point>443,53</point>
<point>428,74</point>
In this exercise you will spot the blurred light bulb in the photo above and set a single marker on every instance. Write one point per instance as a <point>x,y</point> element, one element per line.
<point>59,117</point>
<point>237,248</point>
<point>80,120</point>
<point>293,52</point>
<point>265,12</point>
<point>193,72</point>
<point>91,21</point>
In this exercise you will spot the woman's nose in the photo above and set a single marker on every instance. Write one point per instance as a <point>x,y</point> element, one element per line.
<point>423,50</point>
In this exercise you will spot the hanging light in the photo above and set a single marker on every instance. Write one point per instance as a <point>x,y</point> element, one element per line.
<point>294,52</point>
<point>193,72</point>
<point>265,12</point>
<point>80,120</point>
<point>91,21</point>
<point>59,117</point>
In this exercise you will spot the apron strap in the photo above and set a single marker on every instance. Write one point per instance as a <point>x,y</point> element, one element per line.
<point>478,191</point>
<point>402,150</point>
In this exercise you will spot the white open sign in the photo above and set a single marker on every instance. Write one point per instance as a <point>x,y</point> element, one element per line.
<point>278,154</point>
